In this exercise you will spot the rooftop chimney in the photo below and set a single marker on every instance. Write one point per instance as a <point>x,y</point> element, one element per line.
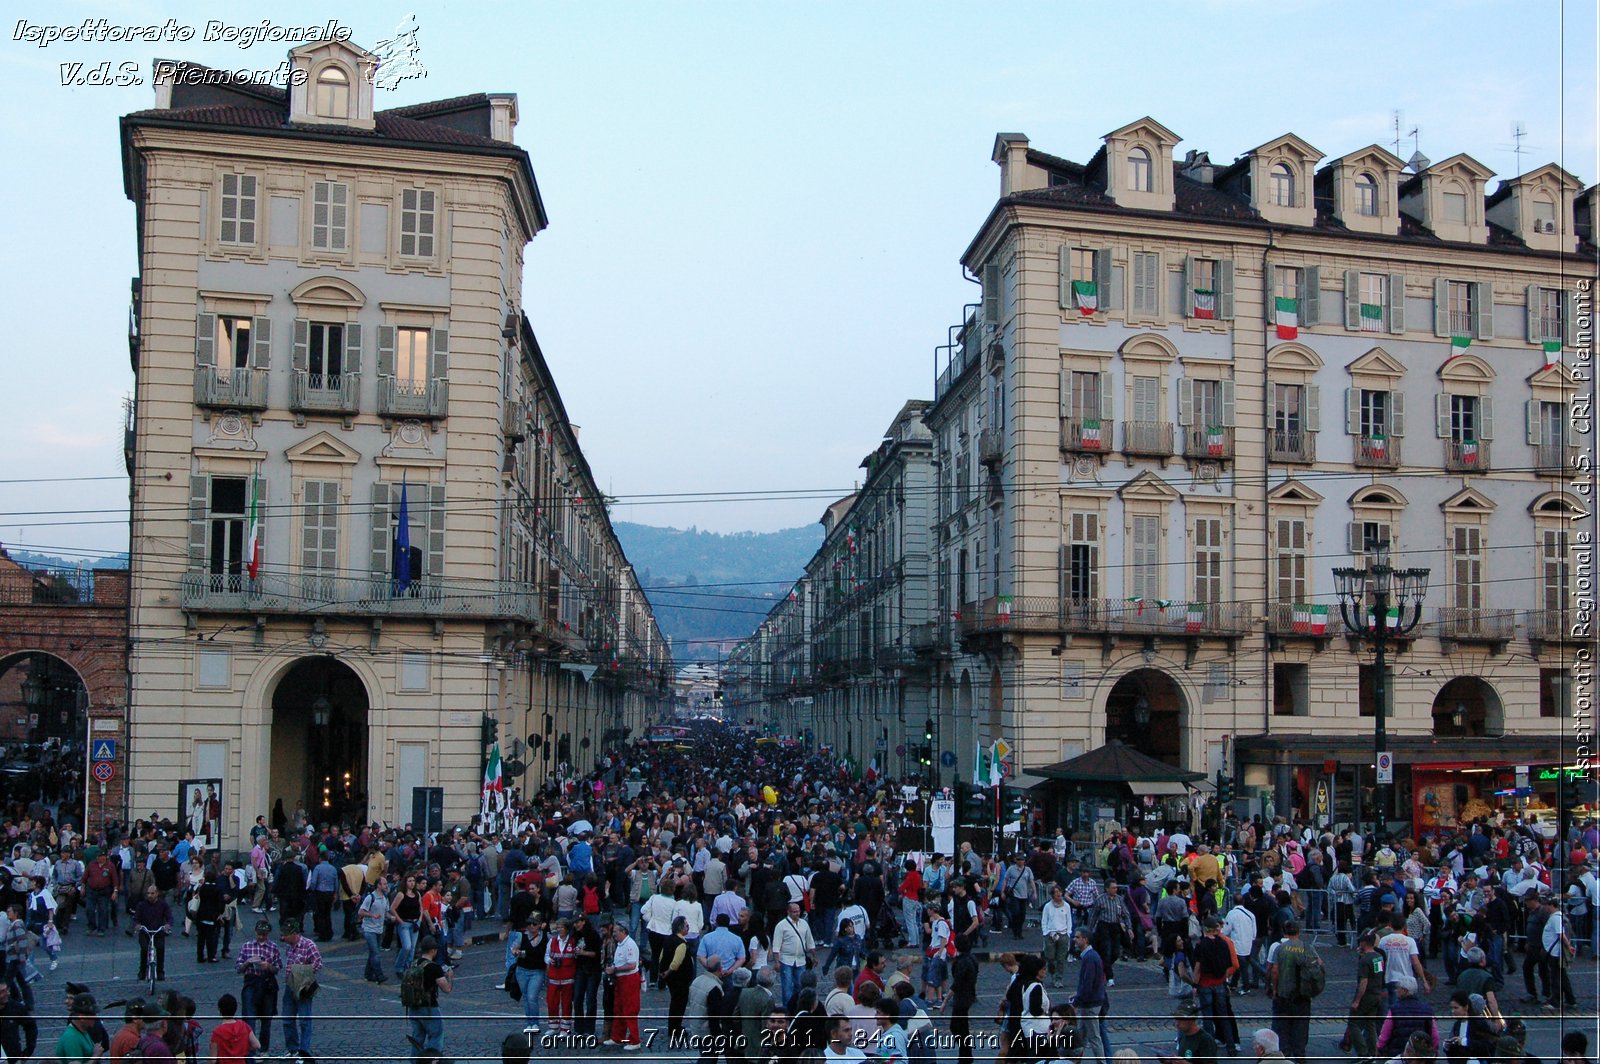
<point>1197,167</point>
<point>503,116</point>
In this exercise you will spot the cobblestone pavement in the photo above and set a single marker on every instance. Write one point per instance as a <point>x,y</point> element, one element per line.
<point>360,1021</point>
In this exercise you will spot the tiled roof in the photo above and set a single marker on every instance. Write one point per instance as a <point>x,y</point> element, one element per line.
<point>392,125</point>
<point>433,107</point>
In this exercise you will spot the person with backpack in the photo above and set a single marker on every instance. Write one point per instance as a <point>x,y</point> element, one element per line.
<point>1296,979</point>
<point>1015,891</point>
<point>420,988</point>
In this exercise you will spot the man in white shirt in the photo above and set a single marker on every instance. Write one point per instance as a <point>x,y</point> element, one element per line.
<point>1402,960</point>
<point>841,1041</point>
<point>1240,927</point>
<point>1055,921</point>
<point>1557,951</point>
<point>624,969</point>
<point>795,949</point>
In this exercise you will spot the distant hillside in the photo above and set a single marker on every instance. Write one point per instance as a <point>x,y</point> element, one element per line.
<point>50,561</point>
<point>709,589</point>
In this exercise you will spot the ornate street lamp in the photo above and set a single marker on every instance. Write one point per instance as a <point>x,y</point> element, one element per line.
<point>1404,589</point>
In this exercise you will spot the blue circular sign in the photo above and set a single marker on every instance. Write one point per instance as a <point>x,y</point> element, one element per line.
<point>948,759</point>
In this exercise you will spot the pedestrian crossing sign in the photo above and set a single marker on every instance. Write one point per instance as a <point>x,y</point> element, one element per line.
<point>103,750</point>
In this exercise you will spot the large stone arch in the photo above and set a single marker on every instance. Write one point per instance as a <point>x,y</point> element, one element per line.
<point>1468,707</point>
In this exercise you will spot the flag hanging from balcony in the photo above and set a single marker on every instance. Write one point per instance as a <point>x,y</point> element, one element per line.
<point>1378,446</point>
<point>1392,618</point>
<point>1371,317</point>
<point>1318,620</point>
<point>1288,318</point>
<point>1459,345</point>
<point>254,551</point>
<point>1301,619</point>
<point>402,546</point>
<point>1004,609</point>
<point>492,781</point>
<point>1090,436</point>
<point>1205,303</point>
<point>1469,452</point>
<point>1138,605</point>
<point>1195,619</point>
<point>1552,353</point>
<point>1087,297</point>
<point>1214,440</point>
<point>982,766</point>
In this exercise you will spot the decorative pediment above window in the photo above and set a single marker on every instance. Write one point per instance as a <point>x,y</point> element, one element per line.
<point>1468,501</point>
<point>1556,376</point>
<point>1293,493</point>
<point>332,84</point>
<point>1447,198</point>
<point>1379,497</point>
<point>1150,347</point>
<point>1365,185</point>
<point>1280,180</point>
<point>328,292</point>
<point>1148,486</point>
<point>1557,503</point>
<point>1537,207</point>
<point>322,448</point>
<point>1466,368</point>
<point>1292,356</point>
<point>1377,363</point>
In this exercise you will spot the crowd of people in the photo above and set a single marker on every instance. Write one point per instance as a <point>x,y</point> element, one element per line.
<point>785,909</point>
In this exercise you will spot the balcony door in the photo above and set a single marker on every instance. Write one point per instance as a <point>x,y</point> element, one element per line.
<point>225,534</point>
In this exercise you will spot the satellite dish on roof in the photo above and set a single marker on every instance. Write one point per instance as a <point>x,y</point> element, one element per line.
<point>1418,162</point>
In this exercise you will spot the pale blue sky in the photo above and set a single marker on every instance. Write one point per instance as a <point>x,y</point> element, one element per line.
<point>756,210</point>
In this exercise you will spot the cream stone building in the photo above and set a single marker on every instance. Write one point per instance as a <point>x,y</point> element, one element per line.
<point>327,334</point>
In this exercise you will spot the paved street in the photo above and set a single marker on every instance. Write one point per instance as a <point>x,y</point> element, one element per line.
<point>360,1021</point>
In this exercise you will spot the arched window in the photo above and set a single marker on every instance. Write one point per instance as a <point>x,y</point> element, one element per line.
<point>333,93</point>
<point>1282,185</point>
<point>1544,215</point>
<point>1366,195</point>
<point>1139,172</point>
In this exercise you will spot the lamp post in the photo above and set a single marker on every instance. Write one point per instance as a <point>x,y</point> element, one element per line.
<point>1406,588</point>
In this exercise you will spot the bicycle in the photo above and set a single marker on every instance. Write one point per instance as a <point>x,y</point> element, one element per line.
<point>148,934</point>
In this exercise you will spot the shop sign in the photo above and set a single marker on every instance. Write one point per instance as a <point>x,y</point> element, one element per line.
<point>1553,774</point>
<point>1322,798</point>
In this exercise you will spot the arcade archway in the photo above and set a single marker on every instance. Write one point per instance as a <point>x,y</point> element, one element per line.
<point>1468,708</point>
<point>1145,710</point>
<point>319,742</point>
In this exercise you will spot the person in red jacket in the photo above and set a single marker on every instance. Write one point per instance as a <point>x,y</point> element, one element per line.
<point>911,903</point>
<point>561,967</point>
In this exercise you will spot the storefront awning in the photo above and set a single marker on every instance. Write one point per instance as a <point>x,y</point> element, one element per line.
<point>1025,781</point>
<point>1116,762</point>
<point>1305,748</point>
<point>1159,787</point>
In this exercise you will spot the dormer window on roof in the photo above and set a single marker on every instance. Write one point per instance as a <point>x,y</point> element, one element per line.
<point>1366,195</point>
<point>333,92</point>
<point>1282,185</point>
<point>1139,175</point>
<point>1279,172</point>
<point>1138,165</point>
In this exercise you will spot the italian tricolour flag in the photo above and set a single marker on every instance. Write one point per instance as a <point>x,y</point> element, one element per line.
<point>1287,317</point>
<point>1459,345</point>
<point>253,551</point>
<point>492,781</point>
<point>1552,353</point>
<point>1215,440</point>
<point>1087,297</point>
<point>1310,619</point>
<point>1194,617</point>
<point>1090,436</point>
<point>1371,317</point>
<point>1205,303</point>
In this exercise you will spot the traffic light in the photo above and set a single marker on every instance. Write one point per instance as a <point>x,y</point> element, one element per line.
<point>491,730</point>
<point>976,804</point>
<point>1224,787</point>
<point>927,732</point>
<point>925,756</point>
<point>1015,802</point>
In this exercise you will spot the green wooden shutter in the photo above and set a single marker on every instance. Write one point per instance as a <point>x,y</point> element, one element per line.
<point>1188,286</point>
<point>1185,401</point>
<point>1352,299</point>
<point>261,341</point>
<point>1109,298</point>
<point>1483,303</point>
<point>380,544</point>
<point>386,350</point>
<point>302,344</point>
<point>991,292</point>
<point>1397,302</point>
<point>1107,409</point>
<point>1063,279</point>
<point>435,548</point>
<point>1269,292</point>
<point>1441,307</point>
<point>1225,289</point>
<point>205,340</point>
<point>1441,415</point>
<point>1397,414</point>
<point>1569,320</point>
<point>1311,297</point>
<point>199,499</point>
<point>1312,415</point>
<point>439,363</point>
<point>1531,315</point>
<point>1352,411</point>
<point>310,525</point>
<point>352,348</point>
<point>1485,418</point>
<point>1531,411</point>
<point>1065,389</point>
<point>1227,414</point>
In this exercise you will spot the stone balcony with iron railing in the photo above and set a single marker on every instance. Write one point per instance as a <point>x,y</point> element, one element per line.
<point>991,446</point>
<point>1377,452</point>
<point>1310,620</point>
<point>1213,442</point>
<point>1556,626</point>
<point>325,393</point>
<point>413,400</point>
<point>1053,615</point>
<point>320,594</point>
<point>1086,435</point>
<point>1459,624</point>
<point>1147,438</point>
<point>1556,459</point>
<point>1466,456</point>
<point>224,388</point>
<point>1291,445</point>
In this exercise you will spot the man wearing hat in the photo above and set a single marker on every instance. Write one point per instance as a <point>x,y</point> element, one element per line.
<point>301,961</point>
<point>1194,1045</point>
<point>76,1042</point>
<point>260,961</point>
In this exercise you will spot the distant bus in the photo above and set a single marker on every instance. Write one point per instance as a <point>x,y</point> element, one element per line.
<point>666,733</point>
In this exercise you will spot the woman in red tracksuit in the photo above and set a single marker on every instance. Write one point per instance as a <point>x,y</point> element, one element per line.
<point>561,965</point>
